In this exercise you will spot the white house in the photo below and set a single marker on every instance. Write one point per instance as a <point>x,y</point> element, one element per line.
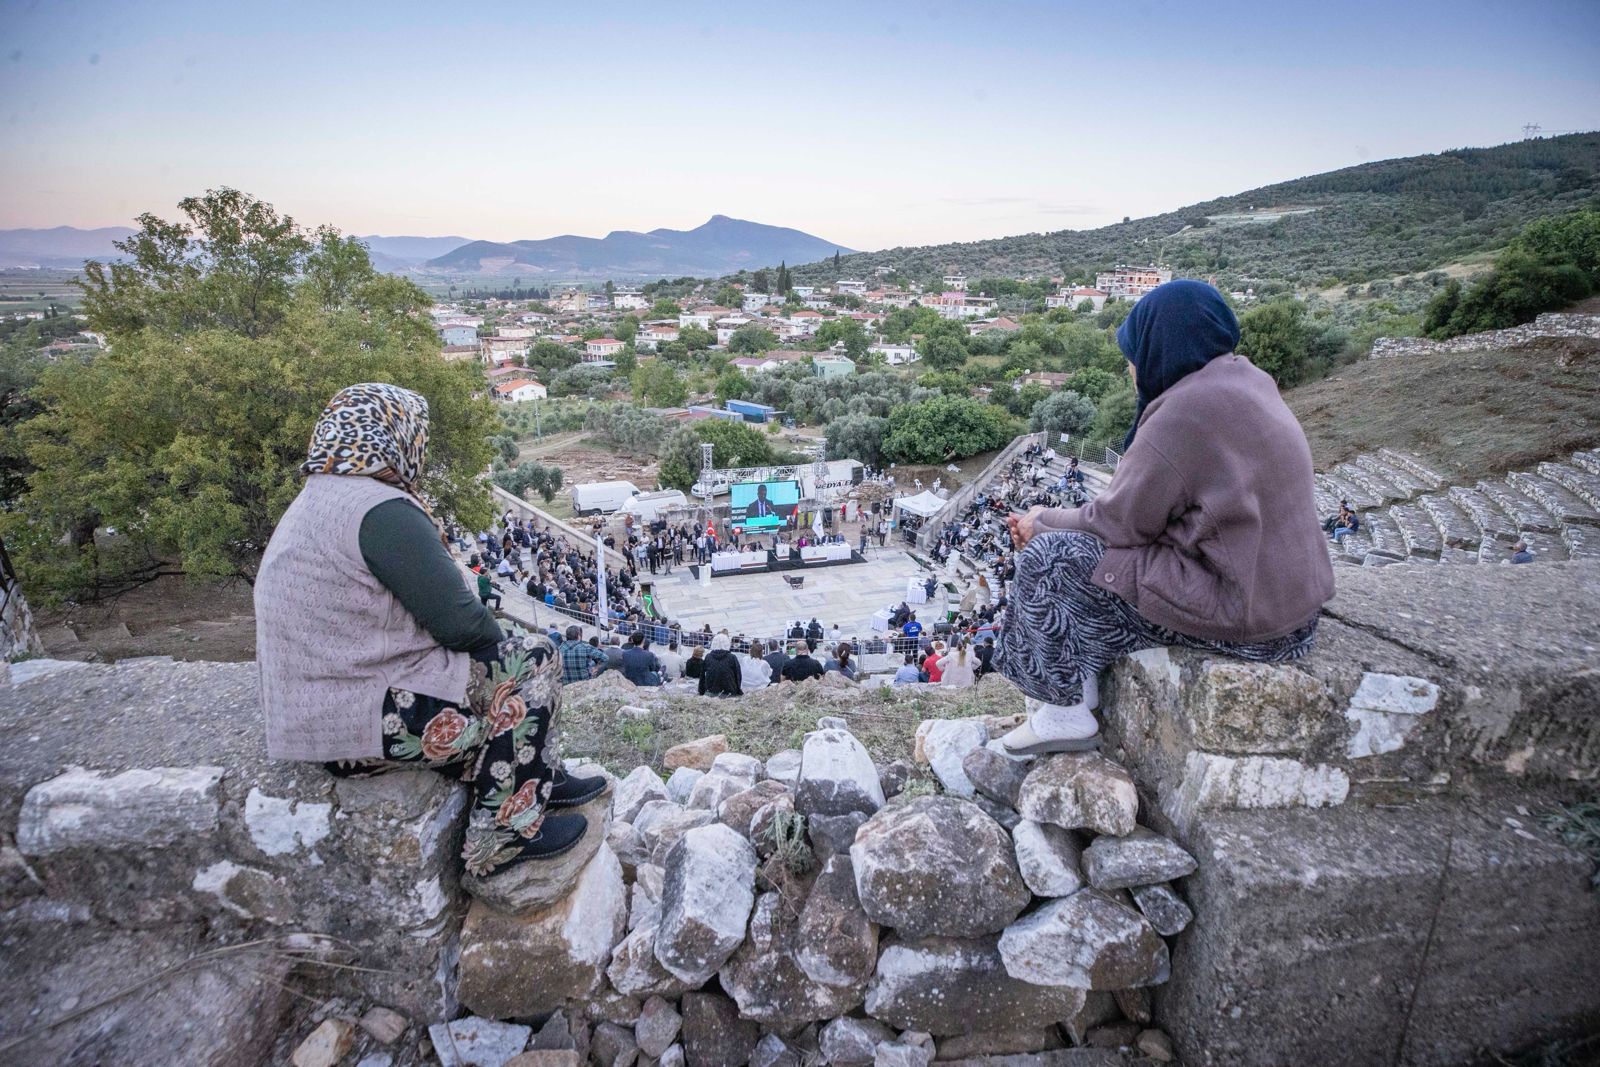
<point>652,335</point>
<point>850,285</point>
<point>802,291</point>
<point>1071,298</point>
<point>514,333</point>
<point>755,364</point>
<point>959,305</point>
<point>458,333</point>
<point>895,353</point>
<point>726,326</point>
<point>502,350</point>
<point>702,316</point>
<point>1131,283</point>
<point>955,280</point>
<point>805,321</point>
<point>602,349</point>
<point>757,301</point>
<point>629,300</point>
<point>517,390</point>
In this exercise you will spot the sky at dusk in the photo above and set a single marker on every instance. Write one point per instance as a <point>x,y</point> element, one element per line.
<point>871,125</point>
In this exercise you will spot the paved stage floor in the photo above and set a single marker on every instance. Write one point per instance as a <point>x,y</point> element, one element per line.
<point>763,604</point>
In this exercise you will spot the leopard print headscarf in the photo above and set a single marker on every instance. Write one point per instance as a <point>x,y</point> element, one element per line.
<point>375,430</point>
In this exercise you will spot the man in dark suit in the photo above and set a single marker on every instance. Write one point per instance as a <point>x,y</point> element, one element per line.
<point>760,508</point>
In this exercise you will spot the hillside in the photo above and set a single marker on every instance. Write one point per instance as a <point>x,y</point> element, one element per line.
<point>1370,221</point>
<point>719,246</point>
<point>1472,416</point>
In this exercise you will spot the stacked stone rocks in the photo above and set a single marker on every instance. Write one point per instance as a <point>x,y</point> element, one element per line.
<point>817,908</point>
<point>1549,324</point>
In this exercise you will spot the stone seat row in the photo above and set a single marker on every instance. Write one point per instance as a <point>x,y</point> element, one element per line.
<point>1554,508</point>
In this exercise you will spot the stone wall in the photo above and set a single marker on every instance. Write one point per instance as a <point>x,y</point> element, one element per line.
<point>1549,324</point>
<point>1335,861</point>
<point>17,636</point>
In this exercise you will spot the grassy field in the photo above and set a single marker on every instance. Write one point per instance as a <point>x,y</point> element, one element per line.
<point>34,290</point>
<point>1473,415</point>
<point>763,722</point>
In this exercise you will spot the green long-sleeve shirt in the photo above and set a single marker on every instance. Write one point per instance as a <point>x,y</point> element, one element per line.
<point>402,549</point>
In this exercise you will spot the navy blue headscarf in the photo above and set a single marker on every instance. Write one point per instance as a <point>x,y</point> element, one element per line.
<point>1173,331</point>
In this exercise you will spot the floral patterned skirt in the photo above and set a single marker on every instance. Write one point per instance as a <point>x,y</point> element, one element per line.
<point>501,743</point>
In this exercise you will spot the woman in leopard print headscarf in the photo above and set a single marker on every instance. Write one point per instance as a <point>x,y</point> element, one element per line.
<point>374,651</point>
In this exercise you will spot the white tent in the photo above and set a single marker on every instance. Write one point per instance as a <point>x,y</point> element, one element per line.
<point>925,503</point>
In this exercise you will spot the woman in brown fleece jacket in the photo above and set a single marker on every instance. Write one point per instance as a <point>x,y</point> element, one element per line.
<point>1208,536</point>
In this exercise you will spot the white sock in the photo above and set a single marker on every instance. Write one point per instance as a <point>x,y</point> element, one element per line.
<point>1059,722</point>
<point>1091,690</point>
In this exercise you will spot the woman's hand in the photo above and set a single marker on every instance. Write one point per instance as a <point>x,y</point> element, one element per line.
<point>1025,527</point>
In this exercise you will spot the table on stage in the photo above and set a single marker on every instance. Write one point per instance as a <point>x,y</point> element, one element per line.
<point>735,561</point>
<point>880,620</point>
<point>817,553</point>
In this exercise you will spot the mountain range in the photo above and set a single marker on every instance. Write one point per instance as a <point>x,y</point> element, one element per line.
<point>721,245</point>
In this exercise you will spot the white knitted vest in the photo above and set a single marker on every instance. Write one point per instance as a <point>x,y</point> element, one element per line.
<point>330,638</point>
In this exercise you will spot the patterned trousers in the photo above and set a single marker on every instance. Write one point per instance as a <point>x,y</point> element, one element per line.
<point>1061,627</point>
<point>500,743</point>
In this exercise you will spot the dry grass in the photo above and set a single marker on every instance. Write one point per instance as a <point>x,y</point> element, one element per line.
<point>1472,415</point>
<point>760,724</point>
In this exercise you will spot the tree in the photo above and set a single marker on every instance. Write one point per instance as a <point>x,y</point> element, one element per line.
<point>942,428</point>
<point>1094,383</point>
<point>858,437</point>
<point>696,338</point>
<point>752,339</point>
<point>625,328</point>
<point>734,444</point>
<point>728,297</point>
<point>1275,338</point>
<point>546,481</point>
<point>848,331</point>
<point>665,309</point>
<point>228,334</point>
<point>1063,412</point>
<point>657,383</point>
<point>943,352</point>
<point>784,283</point>
<point>946,381</point>
<point>760,280</point>
<point>1114,415</point>
<point>836,260</point>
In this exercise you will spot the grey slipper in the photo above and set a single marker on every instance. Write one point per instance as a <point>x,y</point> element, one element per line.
<point>1024,742</point>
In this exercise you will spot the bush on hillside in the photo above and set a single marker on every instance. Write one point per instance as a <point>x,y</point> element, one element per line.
<point>858,437</point>
<point>1063,412</point>
<point>1552,263</point>
<point>943,428</point>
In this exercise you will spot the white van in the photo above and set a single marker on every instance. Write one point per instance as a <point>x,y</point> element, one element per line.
<point>650,506</point>
<point>594,498</point>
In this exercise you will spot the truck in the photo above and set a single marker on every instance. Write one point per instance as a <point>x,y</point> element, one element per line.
<point>647,507</point>
<point>594,498</point>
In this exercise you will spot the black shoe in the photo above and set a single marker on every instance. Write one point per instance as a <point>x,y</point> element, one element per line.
<point>571,791</point>
<point>557,834</point>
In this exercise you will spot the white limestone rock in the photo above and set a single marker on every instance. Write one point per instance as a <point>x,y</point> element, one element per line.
<point>768,985</point>
<point>1085,941</point>
<point>1141,858</point>
<point>746,769</point>
<point>513,966</point>
<point>1212,782</point>
<point>682,782</point>
<point>475,1042</point>
<point>784,766</point>
<point>948,986</point>
<point>707,894</point>
<point>946,743</point>
<point>641,786</point>
<point>145,808</point>
<point>837,776</point>
<point>1080,791</point>
<point>849,1042</point>
<point>1049,859</point>
<point>658,1026</point>
<point>837,944</point>
<point>1166,910</point>
<point>937,866</point>
<point>1384,710</point>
